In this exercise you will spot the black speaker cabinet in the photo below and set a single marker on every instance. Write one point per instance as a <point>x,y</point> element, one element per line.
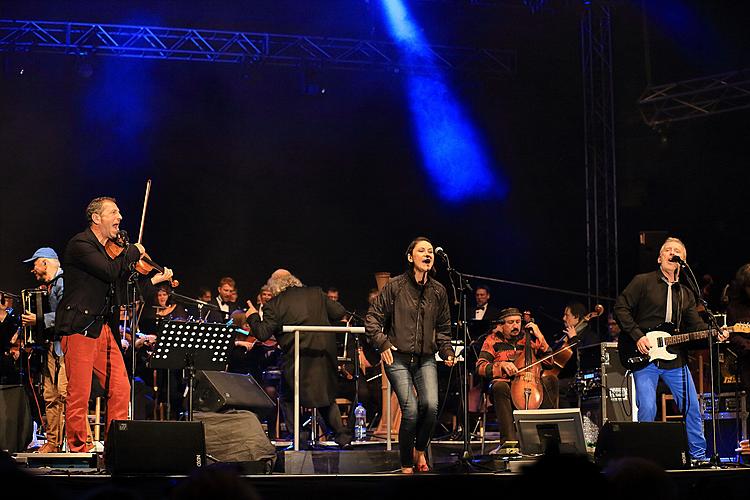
<point>152,447</point>
<point>664,443</point>
<point>219,391</point>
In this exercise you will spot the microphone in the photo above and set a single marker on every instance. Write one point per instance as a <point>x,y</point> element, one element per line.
<point>678,259</point>
<point>441,253</point>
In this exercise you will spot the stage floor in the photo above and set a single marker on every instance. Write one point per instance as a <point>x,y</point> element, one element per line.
<point>313,476</point>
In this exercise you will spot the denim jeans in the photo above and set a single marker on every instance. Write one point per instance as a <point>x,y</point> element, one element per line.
<point>418,410</point>
<point>646,380</point>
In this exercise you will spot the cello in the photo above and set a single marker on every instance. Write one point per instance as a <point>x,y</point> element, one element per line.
<point>526,389</point>
<point>564,349</point>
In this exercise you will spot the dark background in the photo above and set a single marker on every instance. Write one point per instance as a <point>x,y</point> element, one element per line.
<point>250,173</point>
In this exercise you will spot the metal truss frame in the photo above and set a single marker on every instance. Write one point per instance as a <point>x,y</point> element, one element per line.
<point>602,255</point>
<point>706,96</point>
<point>187,44</point>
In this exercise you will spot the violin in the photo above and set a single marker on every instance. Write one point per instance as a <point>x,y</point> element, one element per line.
<point>115,246</point>
<point>563,350</point>
<point>526,389</point>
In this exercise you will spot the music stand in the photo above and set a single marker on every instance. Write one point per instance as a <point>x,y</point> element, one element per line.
<point>192,346</point>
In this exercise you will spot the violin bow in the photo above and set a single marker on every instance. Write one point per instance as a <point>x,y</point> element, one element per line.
<point>143,215</point>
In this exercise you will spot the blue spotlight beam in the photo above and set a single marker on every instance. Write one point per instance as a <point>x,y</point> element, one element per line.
<point>202,45</point>
<point>452,150</point>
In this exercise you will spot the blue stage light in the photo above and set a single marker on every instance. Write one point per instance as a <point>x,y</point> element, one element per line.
<point>450,145</point>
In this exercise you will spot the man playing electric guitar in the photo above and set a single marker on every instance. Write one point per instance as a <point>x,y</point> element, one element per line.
<point>650,300</point>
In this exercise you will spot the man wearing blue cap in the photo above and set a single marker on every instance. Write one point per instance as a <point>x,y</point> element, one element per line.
<point>46,269</point>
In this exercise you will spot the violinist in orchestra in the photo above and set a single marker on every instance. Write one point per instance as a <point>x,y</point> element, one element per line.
<point>502,353</point>
<point>88,315</point>
<point>650,301</point>
<point>47,271</point>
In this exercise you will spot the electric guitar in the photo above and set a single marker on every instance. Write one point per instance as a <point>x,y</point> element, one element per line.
<point>660,338</point>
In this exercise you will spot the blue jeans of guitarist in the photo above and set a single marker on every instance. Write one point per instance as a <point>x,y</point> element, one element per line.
<point>678,380</point>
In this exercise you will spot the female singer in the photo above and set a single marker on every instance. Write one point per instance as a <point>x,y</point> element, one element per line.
<point>408,322</point>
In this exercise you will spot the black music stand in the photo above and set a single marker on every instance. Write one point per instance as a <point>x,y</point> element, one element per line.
<point>192,346</point>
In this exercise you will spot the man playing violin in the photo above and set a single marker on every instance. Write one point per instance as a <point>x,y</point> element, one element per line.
<point>87,316</point>
<point>648,301</point>
<point>501,348</point>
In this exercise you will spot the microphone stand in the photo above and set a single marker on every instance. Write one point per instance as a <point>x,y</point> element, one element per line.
<point>715,460</point>
<point>461,300</point>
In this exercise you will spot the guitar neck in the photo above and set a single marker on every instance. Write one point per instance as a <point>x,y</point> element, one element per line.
<point>687,337</point>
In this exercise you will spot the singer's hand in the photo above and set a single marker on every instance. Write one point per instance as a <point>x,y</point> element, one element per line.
<point>387,356</point>
<point>724,334</point>
<point>643,345</point>
<point>450,361</point>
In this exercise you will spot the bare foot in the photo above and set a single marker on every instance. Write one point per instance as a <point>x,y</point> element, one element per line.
<point>420,461</point>
<point>407,470</point>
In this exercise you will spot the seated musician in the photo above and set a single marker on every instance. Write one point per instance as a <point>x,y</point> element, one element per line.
<point>503,345</point>
<point>576,327</point>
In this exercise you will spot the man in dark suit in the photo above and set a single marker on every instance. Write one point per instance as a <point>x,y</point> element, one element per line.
<point>484,310</point>
<point>224,300</point>
<point>295,304</point>
<point>88,314</point>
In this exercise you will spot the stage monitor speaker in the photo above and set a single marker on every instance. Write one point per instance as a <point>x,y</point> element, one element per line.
<point>220,391</point>
<point>16,429</point>
<point>237,436</point>
<point>664,443</point>
<point>152,447</point>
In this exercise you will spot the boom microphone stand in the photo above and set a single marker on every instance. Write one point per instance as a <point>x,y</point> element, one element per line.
<point>715,460</point>
<point>459,295</point>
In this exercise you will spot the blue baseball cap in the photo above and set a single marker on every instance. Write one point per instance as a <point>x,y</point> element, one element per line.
<point>43,253</point>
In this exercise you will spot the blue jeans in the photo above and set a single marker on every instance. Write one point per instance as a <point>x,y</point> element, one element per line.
<point>646,380</point>
<point>418,410</point>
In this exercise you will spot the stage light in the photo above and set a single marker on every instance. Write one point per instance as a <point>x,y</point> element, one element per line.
<point>451,147</point>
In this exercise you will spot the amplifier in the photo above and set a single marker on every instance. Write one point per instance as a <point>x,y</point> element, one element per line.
<point>607,394</point>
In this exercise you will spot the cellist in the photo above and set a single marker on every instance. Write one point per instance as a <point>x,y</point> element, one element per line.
<point>503,346</point>
<point>576,321</point>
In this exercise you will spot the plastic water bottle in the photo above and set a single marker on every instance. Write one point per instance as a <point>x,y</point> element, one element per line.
<point>590,433</point>
<point>360,423</point>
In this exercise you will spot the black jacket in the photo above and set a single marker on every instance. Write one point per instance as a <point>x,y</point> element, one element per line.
<point>413,318</point>
<point>306,306</point>
<point>91,279</point>
<point>643,305</point>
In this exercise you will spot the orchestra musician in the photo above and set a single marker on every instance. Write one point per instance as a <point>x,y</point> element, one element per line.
<point>649,300</point>
<point>226,300</point>
<point>501,348</point>
<point>408,322</point>
<point>46,269</point>
<point>87,316</point>
<point>484,309</point>
<point>9,352</point>
<point>576,327</point>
